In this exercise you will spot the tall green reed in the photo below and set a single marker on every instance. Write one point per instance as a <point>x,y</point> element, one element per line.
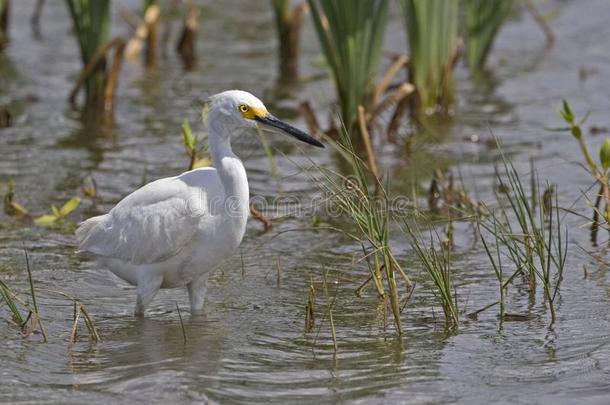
<point>433,43</point>
<point>91,21</point>
<point>483,19</point>
<point>350,34</point>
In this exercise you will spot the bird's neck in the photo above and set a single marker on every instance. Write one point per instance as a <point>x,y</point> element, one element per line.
<point>229,167</point>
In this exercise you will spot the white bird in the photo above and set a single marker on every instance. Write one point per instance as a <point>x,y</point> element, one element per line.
<point>174,231</point>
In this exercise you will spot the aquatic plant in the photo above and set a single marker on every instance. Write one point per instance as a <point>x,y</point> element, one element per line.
<point>91,21</point>
<point>79,309</point>
<point>288,21</point>
<point>433,44</point>
<point>58,215</point>
<point>437,264</point>
<point>12,207</point>
<point>483,19</point>
<point>195,149</point>
<point>14,301</point>
<point>367,205</point>
<point>350,34</point>
<point>533,239</point>
<point>601,174</point>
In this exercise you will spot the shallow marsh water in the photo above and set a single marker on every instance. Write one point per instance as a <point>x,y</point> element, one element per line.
<point>249,346</point>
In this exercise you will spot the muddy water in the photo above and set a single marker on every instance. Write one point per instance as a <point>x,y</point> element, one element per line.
<point>249,346</point>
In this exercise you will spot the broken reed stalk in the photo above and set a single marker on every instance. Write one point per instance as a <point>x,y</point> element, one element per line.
<point>152,14</point>
<point>332,330</point>
<point>288,22</point>
<point>91,21</point>
<point>186,44</point>
<point>370,155</point>
<point>309,115</point>
<point>91,329</point>
<point>91,69</point>
<point>256,214</point>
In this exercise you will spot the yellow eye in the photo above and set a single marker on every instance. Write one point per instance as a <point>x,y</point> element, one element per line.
<point>244,108</point>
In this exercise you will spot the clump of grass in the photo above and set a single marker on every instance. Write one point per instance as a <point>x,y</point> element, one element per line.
<point>437,264</point>
<point>433,43</point>
<point>483,21</point>
<point>533,239</point>
<point>350,35</point>
<point>600,173</point>
<point>288,21</point>
<point>368,207</point>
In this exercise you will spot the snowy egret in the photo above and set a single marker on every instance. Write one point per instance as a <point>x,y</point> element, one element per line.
<point>174,231</point>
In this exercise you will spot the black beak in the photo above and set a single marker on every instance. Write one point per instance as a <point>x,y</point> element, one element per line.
<point>271,121</point>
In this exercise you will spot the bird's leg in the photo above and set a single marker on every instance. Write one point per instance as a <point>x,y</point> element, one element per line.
<point>147,288</point>
<point>197,289</point>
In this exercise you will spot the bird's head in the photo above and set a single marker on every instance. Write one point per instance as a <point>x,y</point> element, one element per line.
<point>234,110</point>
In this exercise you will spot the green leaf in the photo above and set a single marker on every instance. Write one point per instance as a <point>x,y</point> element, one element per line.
<point>566,113</point>
<point>69,207</point>
<point>46,220</point>
<point>188,139</point>
<point>575,130</point>
<point>18,209</point>
<point>604,154</point>
<point>55,211</point>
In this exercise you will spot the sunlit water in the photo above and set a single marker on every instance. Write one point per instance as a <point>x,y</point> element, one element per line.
<point>250,344</point>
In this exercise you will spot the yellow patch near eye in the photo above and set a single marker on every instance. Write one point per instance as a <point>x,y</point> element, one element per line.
<point>252,112</point>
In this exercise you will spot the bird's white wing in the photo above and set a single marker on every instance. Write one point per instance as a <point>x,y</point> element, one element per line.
<point>152,223</point>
